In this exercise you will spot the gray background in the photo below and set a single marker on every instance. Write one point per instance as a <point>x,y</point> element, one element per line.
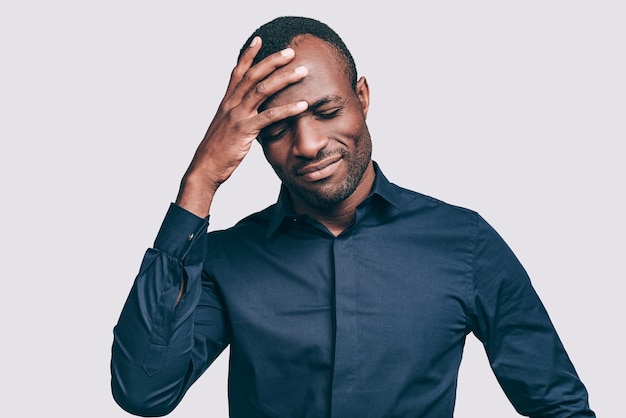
<point>513,109</point>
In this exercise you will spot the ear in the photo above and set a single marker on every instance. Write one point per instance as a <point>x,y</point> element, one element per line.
<point>363,94</point>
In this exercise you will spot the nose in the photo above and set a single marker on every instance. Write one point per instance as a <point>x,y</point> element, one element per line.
<point>309,137</point>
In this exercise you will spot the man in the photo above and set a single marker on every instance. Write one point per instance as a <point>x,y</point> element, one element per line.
<point>350,297</point>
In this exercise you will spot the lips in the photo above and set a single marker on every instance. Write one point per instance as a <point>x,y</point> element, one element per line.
<point>320,170</point>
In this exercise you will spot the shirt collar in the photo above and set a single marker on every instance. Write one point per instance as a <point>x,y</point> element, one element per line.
<point>283,209</point>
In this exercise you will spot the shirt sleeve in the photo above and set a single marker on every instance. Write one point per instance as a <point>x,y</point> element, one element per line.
<point>160,347</point>
<point>521,343</point>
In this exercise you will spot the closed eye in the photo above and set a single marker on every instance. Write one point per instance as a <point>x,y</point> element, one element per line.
<point>329,114</point>
<point>272,136</point>
<point>273,132</point>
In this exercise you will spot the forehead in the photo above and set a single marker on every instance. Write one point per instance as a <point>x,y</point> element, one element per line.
<point>327,75</point>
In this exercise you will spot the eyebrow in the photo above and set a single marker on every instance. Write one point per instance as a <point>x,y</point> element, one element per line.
<point>325,100</point>
<point>340,101</point>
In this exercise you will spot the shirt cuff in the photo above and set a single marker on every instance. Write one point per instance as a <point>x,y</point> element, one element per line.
<point>182,235</point>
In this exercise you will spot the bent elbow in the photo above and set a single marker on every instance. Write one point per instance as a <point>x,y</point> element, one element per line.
<point>141,403</point>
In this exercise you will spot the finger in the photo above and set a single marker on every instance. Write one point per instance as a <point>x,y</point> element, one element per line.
<point>276,114</point>
<point>245,62</point>
<point>256,74</point>
<point>268,87</point>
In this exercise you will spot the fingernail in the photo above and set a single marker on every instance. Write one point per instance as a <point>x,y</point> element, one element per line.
<point>255,41</point>
<point>300,70</point>
<point>301,105</point>
<point>287,52</point>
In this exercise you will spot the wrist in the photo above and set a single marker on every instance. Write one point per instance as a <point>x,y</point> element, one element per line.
<point>196,194</point>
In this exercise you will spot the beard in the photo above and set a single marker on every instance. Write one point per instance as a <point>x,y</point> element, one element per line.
<point>327,194</point>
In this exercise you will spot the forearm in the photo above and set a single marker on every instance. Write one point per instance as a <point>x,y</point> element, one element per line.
<point>523,347</point>
<point>173,325</point>
<point>153,341</point>
<point>196,192</point>
<point>155,349</point>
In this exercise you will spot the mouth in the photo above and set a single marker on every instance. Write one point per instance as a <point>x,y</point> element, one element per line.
<point>321,169</point>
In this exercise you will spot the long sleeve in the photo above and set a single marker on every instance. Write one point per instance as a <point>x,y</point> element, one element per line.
<point>522,345</point>
<point>161,347</point>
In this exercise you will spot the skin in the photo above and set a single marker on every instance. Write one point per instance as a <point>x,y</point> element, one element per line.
<point>311,124</point>
<point>322,155</point>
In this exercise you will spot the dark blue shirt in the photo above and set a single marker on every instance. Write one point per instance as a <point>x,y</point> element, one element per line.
<point>370,323</point>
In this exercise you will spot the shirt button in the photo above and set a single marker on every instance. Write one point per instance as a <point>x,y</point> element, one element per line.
<point>190,237</point>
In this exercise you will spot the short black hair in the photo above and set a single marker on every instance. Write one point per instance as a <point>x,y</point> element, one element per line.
<point>277,34</point>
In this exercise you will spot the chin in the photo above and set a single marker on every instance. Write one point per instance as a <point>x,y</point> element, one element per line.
<point>324,197</point>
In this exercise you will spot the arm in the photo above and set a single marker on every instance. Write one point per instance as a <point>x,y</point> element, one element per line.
<point>173,326</point>
<point>237,124</point>
<point>162,346</point>
<point>522,345</point>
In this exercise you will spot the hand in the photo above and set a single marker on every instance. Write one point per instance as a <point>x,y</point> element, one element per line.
<point>237,124</point>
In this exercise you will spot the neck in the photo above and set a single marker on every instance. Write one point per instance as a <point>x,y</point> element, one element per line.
<point>337,218</point>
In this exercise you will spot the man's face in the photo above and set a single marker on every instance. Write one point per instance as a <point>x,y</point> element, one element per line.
<point>321,154</point>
